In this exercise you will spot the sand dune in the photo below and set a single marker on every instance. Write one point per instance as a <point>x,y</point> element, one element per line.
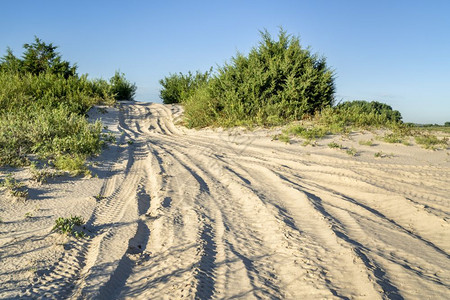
<point>224,214</point>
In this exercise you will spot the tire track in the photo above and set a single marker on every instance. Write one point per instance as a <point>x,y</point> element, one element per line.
<point>217,214</point>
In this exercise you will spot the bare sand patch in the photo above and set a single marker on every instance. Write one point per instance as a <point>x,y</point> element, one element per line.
<point>180,213</point>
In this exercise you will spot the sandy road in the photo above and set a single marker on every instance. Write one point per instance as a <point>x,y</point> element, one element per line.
<point>223,215</point>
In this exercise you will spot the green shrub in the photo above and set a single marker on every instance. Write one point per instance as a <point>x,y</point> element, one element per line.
<point>48,90</point>
<point>121,87</point>
<point>14,187</point>
<point>43,104</point>
<point>178,88</point>
<point>38,58</point>
<point>366,142</point>
<point>277,82</point>
<point>360,114</point>
<point>351,151</point>
<point>334,145</point>
<point>46,132</point>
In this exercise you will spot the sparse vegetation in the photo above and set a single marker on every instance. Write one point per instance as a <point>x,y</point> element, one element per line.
<point>366,142</point>
<point>69,226</point>
<point>41,175</point>
<point>429,141</point>
<point>351,151</point>
<point>334,145</point>
<point>282,138</point>
<point>14,187</point>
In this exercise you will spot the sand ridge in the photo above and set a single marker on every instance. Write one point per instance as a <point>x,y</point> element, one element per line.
<point>220,214</point>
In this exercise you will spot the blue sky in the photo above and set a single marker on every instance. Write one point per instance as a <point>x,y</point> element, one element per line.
<point>397,52</point>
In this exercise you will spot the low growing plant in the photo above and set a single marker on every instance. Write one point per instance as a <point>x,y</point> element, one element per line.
<point>74,164</point>
<point>366,142</point>
<point>14,187</point>
<point>334,145</point>
<point>429,141</point>
<point>68,226</point>
<point>351,151</point>
<point>308,133</point>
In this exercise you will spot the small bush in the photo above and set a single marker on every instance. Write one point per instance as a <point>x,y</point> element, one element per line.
<point>352,151</point>
<point>41,175</point>
<point>359,114</point>
<point>200,110</point>
<point>38,58</point>
<point>177,88</point>
<point>74,164</point>
<point>334,145</point>
<point>282,138</point>
<point>122,88</point>
<point>68,226</point>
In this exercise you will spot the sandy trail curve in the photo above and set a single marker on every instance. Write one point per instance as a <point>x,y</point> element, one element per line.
<point>216,214</point>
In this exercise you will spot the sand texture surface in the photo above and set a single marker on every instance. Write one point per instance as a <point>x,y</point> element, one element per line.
<point>177,213</point>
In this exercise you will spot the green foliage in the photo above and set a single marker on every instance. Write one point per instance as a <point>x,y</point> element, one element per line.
<point>309,133</point>
<point>121,87</point>
<point>278,81</point>
<point>40,175</point>
<point>14,187</point>
<point>375,107</point>
<point>38,58</point>
<point>47,132</point>
<point>366,142</point>
<point>72,163</point>
<point>178,88</point>
<point>47,90</point>
<point>334,145</point>
<point>447,124</point>
<point>360,114</point>
<point>282,138</point>
<point>199,109</point>
<point>393,138</point>
<point>68,226</point>
<point>351,151</point>
<point>429,141</point>
<point>42,107</point>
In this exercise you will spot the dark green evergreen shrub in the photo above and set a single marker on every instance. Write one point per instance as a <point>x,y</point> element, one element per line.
<point>276,82</point>
<point>38,58</point>
<point>121,87</point>
<point>179,87</point>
